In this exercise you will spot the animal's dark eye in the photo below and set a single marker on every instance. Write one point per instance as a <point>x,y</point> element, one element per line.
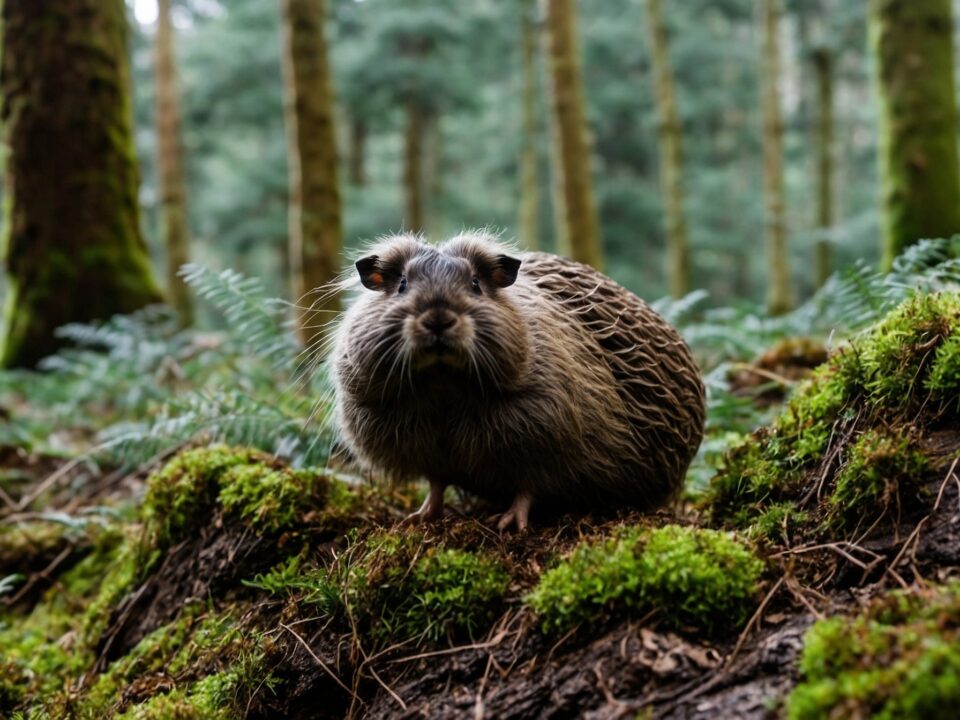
<point>475,285</point>
<point>403,284</point>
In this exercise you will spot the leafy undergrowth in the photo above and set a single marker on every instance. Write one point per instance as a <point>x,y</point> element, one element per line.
<point>853,452</point>
<point>245,587</point>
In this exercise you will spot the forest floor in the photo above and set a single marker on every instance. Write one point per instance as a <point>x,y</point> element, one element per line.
<point>217,582</point>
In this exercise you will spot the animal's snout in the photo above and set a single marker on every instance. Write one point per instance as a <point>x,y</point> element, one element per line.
<point>438,321</point>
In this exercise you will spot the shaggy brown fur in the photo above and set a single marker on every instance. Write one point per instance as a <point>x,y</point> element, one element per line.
<point>550,385</point>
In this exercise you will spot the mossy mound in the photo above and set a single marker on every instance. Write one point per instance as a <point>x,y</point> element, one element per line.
<point>850,450</point>
<point>899,658</point>
<point>692,578</point>
<point>251,485</point>
<point>397,587</point>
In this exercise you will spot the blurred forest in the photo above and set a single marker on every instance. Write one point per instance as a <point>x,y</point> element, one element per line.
<point>182,537</point>
<point>486,117</point>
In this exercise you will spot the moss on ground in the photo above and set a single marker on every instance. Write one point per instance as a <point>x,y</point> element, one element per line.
<point>848,447</point>
<point>883,470</point>
<point>52,645</point>
<point>395,587</point>
<point>693,578</point>
<point>899,658</point>
<point>253,485</point>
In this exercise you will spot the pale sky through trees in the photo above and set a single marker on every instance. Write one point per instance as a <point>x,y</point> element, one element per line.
<point>145,11</point>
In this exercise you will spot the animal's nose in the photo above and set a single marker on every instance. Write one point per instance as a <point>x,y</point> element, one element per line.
<point>438,321</point>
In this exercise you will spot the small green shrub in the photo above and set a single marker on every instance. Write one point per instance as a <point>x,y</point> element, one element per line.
<point>700,578</point>
<point>900,658</point>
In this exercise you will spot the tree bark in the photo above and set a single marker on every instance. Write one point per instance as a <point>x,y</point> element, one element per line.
<point>913,46</point>
<point>778,281</point>
<point>173,194</point>
<point>413,167</point>
<point>529,220</point>
<point>671,155</point>
<point>316,233</point>
<point>579,209</point>
<point>74,249</point>
<point>823,65</point>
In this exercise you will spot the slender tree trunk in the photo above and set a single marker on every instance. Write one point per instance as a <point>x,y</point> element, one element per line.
<point>579,208</point>
<point>823,65</point>
<point>432,179</point>
<point>173,193</point>
<point>671,155</point>
<point>74,249</point>
<point>912,42</point>
<point>529,224</point>
<point>316,234</point>
<point>778,281</point>
<point>357,162</point>
<point>413,167</point>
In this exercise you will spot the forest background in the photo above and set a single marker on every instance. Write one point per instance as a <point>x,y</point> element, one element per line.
<point>473,88</point>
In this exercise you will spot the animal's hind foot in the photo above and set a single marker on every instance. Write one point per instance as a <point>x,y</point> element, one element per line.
<point>432,508</point>
<point>518,514</point>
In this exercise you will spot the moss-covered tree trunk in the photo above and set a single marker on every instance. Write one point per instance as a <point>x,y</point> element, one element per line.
<point>315,224</point>
<point>671,155</point>
<point>913,45</point>
<point>413,154</point>
<point>573,150</point>
<point>778,270</point>
<point>73,247</point>
<point>529,214</point>
<point>823,64</point>
<point>173,192</point>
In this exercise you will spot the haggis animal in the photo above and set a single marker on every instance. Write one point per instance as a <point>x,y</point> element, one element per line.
<point>520,378</point>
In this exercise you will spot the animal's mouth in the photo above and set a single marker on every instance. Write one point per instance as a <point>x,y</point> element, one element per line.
<point>440,356</point>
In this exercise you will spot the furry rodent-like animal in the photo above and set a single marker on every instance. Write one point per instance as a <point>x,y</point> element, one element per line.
<point>527,378</point>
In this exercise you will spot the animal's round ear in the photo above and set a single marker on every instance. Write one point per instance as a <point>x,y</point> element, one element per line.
<point>505,271</point>
<point>371,274</point>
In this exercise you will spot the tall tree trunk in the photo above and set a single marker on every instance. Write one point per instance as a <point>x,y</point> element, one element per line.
<point>357,162</point>
<point>671,155</point>
<point>913,45</point>
<point>823,65</point>
<point>529,220</point>
<point>173,193</point>
<point>413,167</point>
<point>573,151</point>
<point>316,232</point>
<point>74,249</point>
<point>778,270</point>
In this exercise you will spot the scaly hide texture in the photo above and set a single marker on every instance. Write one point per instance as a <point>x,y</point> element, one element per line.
<point>562,385</point>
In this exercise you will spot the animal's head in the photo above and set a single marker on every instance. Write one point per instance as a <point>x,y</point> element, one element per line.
<point>430,311</point>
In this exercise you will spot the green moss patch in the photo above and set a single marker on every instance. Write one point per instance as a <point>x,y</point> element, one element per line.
<point>899,658</point>
<point>702,579</point>
<point>251,485</point>
<point>883,470</point>
<point>397,587</point>
<point>46,649</point>
<point>202,665</point>
<point>848,447</point>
